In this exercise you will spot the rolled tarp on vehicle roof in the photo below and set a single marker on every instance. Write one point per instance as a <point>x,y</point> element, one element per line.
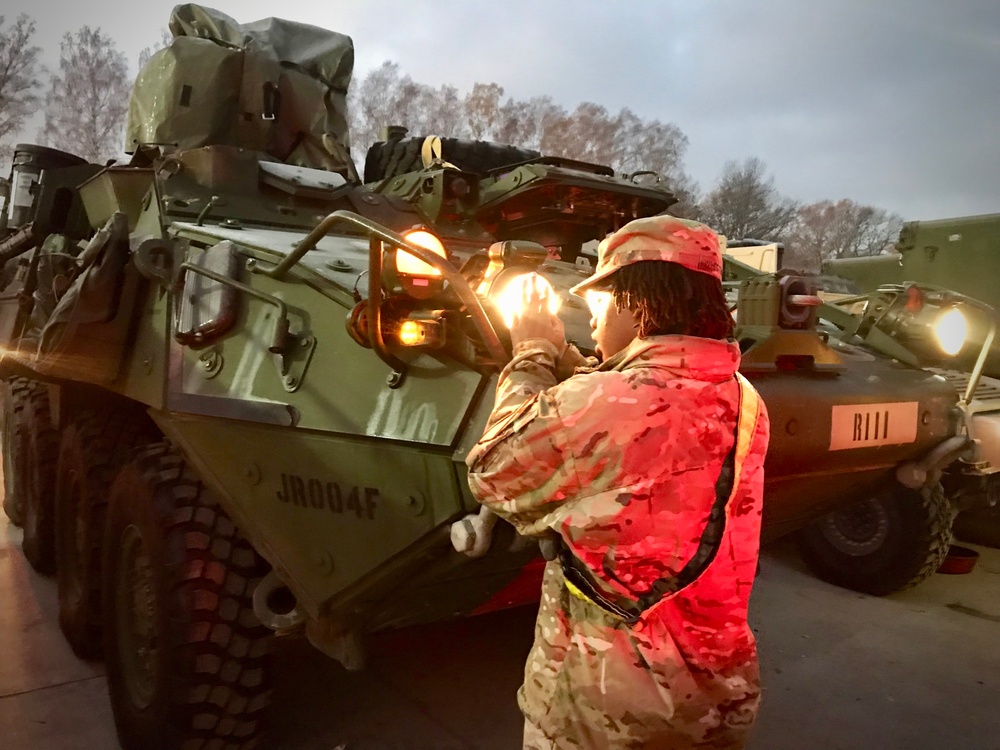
<point>326,55</point>
<point>274,86</point>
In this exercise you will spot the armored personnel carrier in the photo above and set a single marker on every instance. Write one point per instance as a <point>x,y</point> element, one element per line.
<point>257,378</point>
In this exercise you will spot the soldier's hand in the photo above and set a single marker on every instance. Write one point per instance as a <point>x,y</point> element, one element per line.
<point>534,321</point>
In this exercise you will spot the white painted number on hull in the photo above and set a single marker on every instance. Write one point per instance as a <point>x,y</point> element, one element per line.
<point>867,425</point>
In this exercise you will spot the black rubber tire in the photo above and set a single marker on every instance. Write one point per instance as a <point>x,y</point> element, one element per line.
<point>14,432</point>
<point>93,448</point>
<point>979,526</point>
<point>172,553</point>
<point>391,158</point>
<point>898,540</point>
<point>36,479</point>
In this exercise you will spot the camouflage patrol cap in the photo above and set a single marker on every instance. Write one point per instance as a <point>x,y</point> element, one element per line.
<point>687,243</point>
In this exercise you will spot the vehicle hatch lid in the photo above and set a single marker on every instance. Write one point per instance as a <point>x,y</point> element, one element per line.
<point>301,181</point>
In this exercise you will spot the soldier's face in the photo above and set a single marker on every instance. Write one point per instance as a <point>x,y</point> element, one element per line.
<point>613,329</point>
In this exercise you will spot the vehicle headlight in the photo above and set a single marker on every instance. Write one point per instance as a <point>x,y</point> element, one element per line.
<point>422,328</point>
<point>408,265</point>
<point>419,280</point>
<point>951,330</point>
<point>509,294</point>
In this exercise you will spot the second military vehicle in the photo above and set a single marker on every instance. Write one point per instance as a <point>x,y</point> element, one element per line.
<point>960,254</point>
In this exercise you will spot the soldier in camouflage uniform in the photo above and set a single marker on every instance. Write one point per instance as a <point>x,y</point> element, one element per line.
<point>649,471</point>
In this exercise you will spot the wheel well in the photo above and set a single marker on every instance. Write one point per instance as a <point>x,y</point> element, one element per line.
<point>68,401</point>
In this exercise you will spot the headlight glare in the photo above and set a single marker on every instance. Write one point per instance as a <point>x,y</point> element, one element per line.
<point>597,300</point>
<point>510,297</point>
<point>951,330</point>
<point>410,266</point>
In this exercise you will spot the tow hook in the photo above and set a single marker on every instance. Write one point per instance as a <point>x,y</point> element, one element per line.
<point>275,605</point>
<point>917,474</point>
<point>474,533</point>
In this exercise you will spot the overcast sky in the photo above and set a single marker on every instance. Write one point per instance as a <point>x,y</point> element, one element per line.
<point>895,103</point>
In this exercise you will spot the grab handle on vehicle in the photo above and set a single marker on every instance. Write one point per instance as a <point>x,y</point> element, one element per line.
<point>977,370</point>
<point>280,338</point>
<point>375,314</point>
<point>377,231</point>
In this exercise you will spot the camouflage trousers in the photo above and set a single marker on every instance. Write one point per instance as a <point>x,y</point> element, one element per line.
<point>593,683</point>
<point>535,739</point>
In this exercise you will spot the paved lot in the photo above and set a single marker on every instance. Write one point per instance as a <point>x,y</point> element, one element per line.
<point>842,671</point>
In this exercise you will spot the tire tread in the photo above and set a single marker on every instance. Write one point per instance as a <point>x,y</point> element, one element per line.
<point>102,441</point>
<point>923,536</point>
<point>15,392</point>
<point>40,441</point>
<point>214,691</point>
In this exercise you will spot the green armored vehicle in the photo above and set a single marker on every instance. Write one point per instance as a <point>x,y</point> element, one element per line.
<point>961,254</point>
<point>257,378</point>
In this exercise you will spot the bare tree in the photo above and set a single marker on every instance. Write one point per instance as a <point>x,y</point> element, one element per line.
<point>407,104</point>
<point>88,97</point>
<point>588,134</point>
<point>369,105</point>
<point>745,203</point>
<point>641,145</point>
<point>441,111</point>
<point>147,52</point>
<point>19,83</point>
<point>527,123</point>
<point>424,110</point>
<point>383,97</point>
<point>657,147</point>
<point>687,193</point>
<point>482,108</point>
<point>826,230</point>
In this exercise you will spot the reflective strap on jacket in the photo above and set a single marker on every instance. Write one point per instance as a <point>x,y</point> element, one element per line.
<point>581,581</point>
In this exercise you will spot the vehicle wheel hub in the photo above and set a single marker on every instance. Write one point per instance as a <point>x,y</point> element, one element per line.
<point>859,530</point>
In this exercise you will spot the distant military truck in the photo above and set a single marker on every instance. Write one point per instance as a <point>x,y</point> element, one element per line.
<point>760,254</point>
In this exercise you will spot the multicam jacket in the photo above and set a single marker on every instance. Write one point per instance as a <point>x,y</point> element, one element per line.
<point>622,463</point>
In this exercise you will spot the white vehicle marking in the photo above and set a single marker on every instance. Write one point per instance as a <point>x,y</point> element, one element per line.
<point>868,425</point>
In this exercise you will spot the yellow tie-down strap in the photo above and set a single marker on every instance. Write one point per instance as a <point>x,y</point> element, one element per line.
<point>430,153</point>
